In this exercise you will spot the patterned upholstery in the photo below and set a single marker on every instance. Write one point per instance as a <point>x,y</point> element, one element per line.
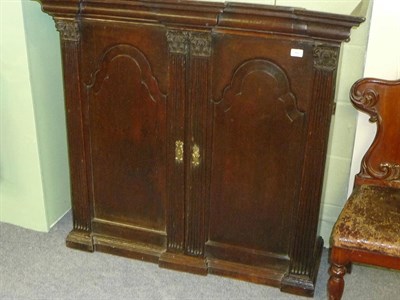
<point>370,221</point>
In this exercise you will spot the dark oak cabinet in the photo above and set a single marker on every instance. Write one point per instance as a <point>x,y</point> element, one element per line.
<point>198,131</point>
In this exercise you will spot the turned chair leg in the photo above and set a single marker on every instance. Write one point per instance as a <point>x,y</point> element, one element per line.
<point>336,281</point>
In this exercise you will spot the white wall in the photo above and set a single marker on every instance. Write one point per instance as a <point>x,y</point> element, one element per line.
<point>34,185</point>
<point>383,61</point>
<point>43,46</point>
<point>21,192</point>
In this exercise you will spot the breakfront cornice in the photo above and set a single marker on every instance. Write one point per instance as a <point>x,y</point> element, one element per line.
<point>61,8</point>
<point>230,16</point>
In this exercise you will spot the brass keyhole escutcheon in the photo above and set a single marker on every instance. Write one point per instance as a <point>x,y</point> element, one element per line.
<point>179,151</point>
<point>195,155</point>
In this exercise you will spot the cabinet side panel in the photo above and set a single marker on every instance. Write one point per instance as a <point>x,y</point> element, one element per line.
<point>306,246</point>
<point>82,213</point>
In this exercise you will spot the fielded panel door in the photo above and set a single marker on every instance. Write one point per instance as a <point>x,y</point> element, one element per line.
<point>258,125</point>
<point>125,113</point>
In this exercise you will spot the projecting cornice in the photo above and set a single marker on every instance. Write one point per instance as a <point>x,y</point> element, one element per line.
<point>219,16</point>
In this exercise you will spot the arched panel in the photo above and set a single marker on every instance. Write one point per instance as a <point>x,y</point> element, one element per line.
<point>128,51</point>
<point>280,89</point>
<point>257,149</point>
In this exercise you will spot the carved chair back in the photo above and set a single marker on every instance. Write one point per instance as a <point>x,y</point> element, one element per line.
<point>380,99</point>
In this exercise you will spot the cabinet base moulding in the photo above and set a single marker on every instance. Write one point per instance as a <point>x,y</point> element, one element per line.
<point>260,275</point>
<point>93,242</point>
<point>185,263</point>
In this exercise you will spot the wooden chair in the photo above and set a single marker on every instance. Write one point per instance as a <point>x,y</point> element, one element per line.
<point>368,228</point>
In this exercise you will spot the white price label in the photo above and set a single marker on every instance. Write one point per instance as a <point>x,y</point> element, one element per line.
<point>296,52</point>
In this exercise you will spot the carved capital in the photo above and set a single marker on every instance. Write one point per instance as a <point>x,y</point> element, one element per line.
<point>183,42</point>
<point>200,44</point>
<point>177,41</point>
<point>69,29</point>
<point>325,58</point>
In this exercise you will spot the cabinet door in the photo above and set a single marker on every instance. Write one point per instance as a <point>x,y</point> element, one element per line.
<point>258,127</point>
<point>126,80</point>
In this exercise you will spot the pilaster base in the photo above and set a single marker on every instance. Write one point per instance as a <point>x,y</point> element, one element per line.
<point>80,240</point>
<point>302,284</point>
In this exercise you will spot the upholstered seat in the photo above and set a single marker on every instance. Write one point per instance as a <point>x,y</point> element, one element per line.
<point>370,221</point>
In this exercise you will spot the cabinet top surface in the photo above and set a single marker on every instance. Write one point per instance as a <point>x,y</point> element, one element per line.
<point>216,15</point>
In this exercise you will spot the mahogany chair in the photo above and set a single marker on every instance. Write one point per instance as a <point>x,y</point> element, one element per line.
<point>368,228</point>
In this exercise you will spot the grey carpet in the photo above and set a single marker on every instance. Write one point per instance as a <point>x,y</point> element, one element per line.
<point>38,266</point>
